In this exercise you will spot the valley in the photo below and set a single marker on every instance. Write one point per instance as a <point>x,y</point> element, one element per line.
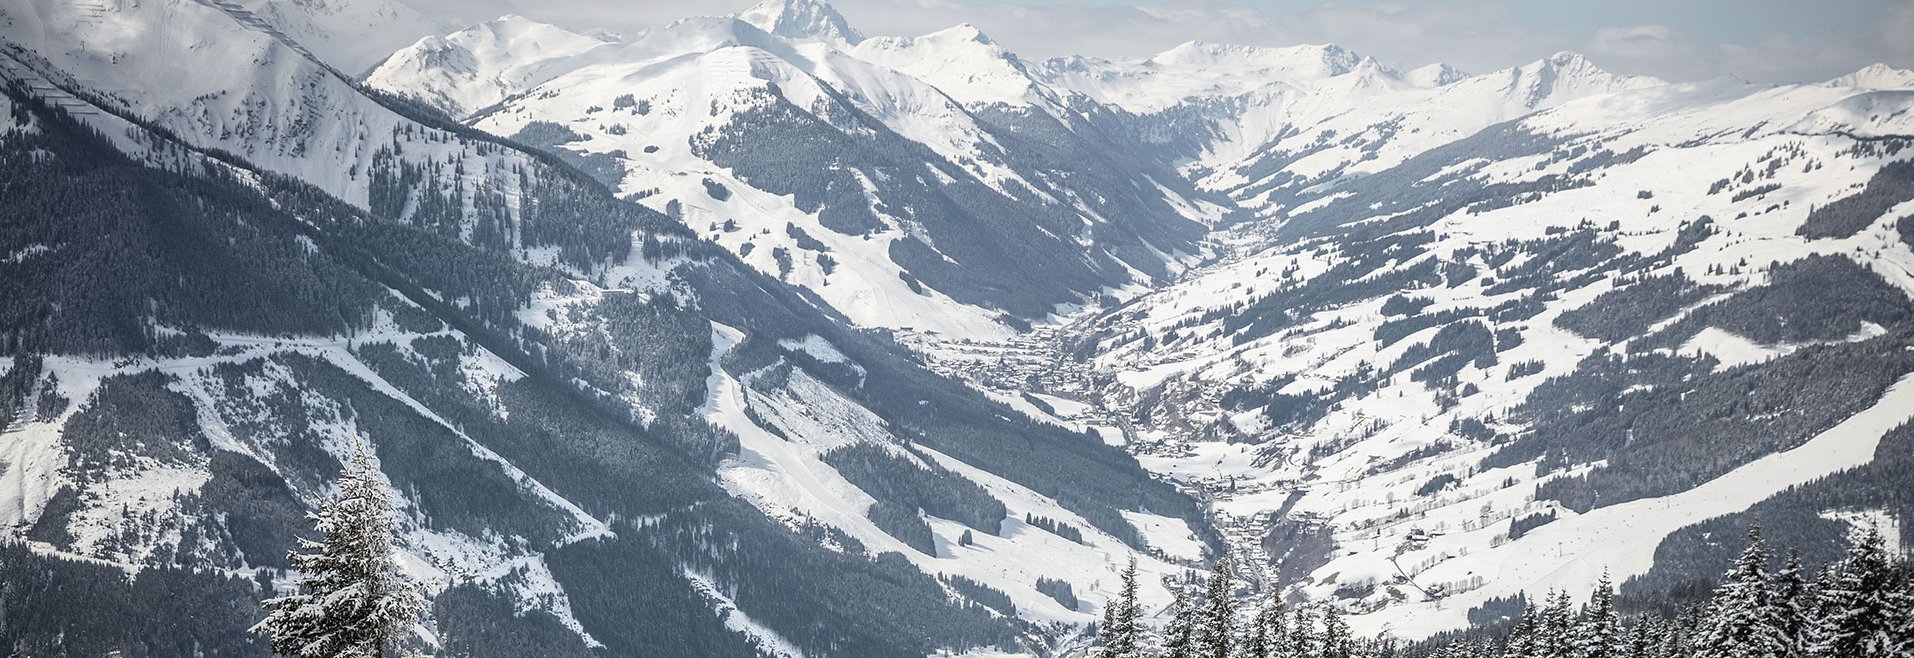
<point>818,343</point>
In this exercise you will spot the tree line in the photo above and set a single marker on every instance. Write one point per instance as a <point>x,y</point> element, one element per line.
<point>1861,606</point>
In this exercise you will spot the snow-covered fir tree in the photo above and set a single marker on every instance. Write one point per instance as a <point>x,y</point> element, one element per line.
<point>1216,632</point>
<point>1303,640</point>
<point>1643,640</point>
<point>1521,640</point>
<point>1740,621</point>
<point>1337,642</point>
<point>1864,609</point>
<point>1556,635</point>
<point>1122,628</point>
<point>1790,604</point>
<point>1179,638</point>
<point>352,600</point>
<point>1600,630</point>
<point>1267,636</point>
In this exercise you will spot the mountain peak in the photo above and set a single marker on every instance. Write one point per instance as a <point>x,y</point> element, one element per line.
<point>1876,76</point>
<point>801,19</point>
<point>1570,59</point>
<point>1435,75</point>
<point>962,32</point>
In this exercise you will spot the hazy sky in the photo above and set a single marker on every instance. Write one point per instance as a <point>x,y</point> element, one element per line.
<point>1758,40</point>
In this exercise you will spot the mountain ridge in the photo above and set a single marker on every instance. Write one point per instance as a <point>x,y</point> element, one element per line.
<point>934,322</point>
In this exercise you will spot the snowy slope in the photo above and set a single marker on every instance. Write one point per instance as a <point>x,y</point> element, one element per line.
<point>170,62</point>
<point>802,20</point>
<point>344,386</point>
<point>480,65</point>
<point>1416,281</point>
<point>1756,160</point>
<point>665,109</point>
<point>1196,70</point>
<point>351,35</point>
<point>964,63</point>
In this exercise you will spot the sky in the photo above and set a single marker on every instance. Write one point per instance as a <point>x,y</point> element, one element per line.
<point>1764,41</point>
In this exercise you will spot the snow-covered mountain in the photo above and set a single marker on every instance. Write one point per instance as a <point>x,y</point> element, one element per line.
<point>1541,352</point>
<point>481,65</point>
<point>818,343</point>
<point>820,159</point>
<point>804,20</point>
<point>306,265</point>
<point>965,64</point>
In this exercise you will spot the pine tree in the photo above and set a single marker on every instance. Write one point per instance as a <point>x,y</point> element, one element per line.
<point>1678,634</point>
<point>1863,611</point>
<point>1600,630</point>
<point>1179,638</point>
<point>1217,631</point>
<point>1123,620</point>
<point>1642,639</point>
<point>1521,642</point>
<point>1790,603</point>
<point>1336,642</point>
<point>1302,635</point>
<point>1266,637</point>
<point>1740,623</point>
<point>1555,638</point>
<point>352,602</point>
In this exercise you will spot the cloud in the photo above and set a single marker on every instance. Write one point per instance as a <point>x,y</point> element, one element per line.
<point>1639,42</point>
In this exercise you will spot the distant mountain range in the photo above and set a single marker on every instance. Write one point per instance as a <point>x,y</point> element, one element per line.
<point>754,335</point>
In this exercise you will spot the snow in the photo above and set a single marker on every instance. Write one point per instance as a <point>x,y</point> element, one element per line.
<point>1621,539</point>
<point>1324,113</point>
<point>1196,70</point>
<point>801,19</point>
<point>1860,522</point>
<point>21,255</point>
<point>787,480</point>
<point>692,77</point>
<point>351,35</point>
<point>483,64</point>
<point>171,63</point>
<point>817,346</point>
<point>1172,536</point>
<point>538,589</point>
<point>1876,76</point>
<point>1728,348</point>
<point>964,63</point>
<point>768,641</point>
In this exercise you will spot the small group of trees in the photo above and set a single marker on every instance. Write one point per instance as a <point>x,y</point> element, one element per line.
<point>1209,622</point>
<point>1859,607</point>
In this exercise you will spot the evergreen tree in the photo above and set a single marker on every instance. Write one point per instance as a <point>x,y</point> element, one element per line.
<point>1217,631</point>
<point>1677,634</point>
<point>1740,621</point>
<point>1600,630</point>
<point>1863,611</point>
<point>1266,636</point>
<point>1642,639</point>
<point>1521,641</point>
<point>1179,638</point>
<point>1790,604</point>
<point>1302,635</point>
<point>1123,620</point>
<point>1556,636</point>
<point>1336,642</point>
<point>352,602</point>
